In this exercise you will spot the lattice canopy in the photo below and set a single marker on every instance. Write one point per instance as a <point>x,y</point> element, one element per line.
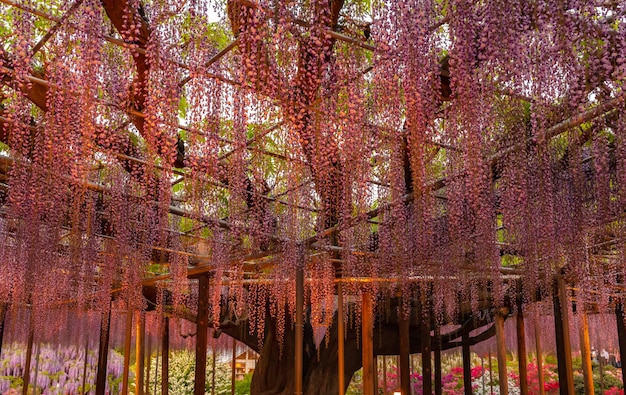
<point>448,145</point>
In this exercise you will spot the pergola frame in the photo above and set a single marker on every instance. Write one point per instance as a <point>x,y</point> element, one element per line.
<point>257,261</point>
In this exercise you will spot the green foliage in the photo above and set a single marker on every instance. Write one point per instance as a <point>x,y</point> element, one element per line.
<point>437,166</point>
<point>186,224</point>
<point>183,107</point>
<point>609,377</point>
<point>511,260</point>
<point>15,382</point>
<point>242,387</point>
<point>360,6</point>
<point>115,384</point>
<point>550,359</point>
<point>579,384</point>
<point>577,362</point>
<point>443,4</point>
<point>218,34</point>
<point>156,268</point>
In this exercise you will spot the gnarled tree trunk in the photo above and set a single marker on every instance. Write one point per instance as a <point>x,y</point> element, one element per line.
<point>274,373</point>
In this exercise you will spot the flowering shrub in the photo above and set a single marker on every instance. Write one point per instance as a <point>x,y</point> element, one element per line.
<point>550,378</point>
<point>483,383</point>
<point>452,381</point>
<point>59,370</point>
<point>182,367</point>
<point>608,377</point>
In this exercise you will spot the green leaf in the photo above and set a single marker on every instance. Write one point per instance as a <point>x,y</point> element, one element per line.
<point>183,106</point>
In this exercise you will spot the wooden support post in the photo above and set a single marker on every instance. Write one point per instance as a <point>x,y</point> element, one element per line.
<point>437,349</point>
<point>148,366</point>
<point>299,329</point>
<point>501,353</point>
<point>563,343</point>
<point>542,390</point>
<point>103,352</point>
<point>396,359</point>
<point>621,336</point>
<point>233,367</point>
<point>29,352</point>
<point>521,352</point>
<point>601,368</point>
<point>156,371</point>
<point>427,383</point>
<point>482,370</point>
<point>140,352</point>
<point>165,356</point>
<point>490,373</point>
<point>3,315</point>
<point>85,364</point>
<point>585,353</point>
<point>376,367</point>
<point>367,339</point>
<point>213,373</point>
<point>340,340</point>
<point>405,347</point>
<point>202,324</point>
<point>467,365</point>
<point>384,375</point>
<point>127,340</point>
<point>36,368</point>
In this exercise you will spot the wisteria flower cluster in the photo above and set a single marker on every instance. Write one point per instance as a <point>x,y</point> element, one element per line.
<point>57,370</point>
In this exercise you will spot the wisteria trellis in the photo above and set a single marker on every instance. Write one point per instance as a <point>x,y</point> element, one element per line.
<point>400,143</point>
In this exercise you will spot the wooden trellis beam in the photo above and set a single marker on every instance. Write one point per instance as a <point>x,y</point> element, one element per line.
<point>213,59</point>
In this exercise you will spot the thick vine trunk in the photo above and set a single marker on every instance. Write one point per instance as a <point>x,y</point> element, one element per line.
<point>274,373</point>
